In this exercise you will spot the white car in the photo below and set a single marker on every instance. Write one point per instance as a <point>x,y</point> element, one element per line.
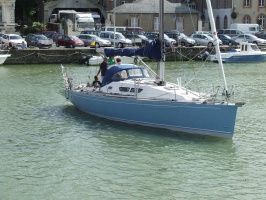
<point>15,39</point>
<point>115,37</point>
<point>204,39</point>
<point>249,38</point>
<point>88,39</point>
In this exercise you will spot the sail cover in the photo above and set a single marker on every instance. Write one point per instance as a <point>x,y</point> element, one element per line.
<point>151,51</point>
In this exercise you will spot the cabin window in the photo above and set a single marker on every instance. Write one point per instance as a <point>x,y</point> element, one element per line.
<point>124,89</point>
<point>135,73</point>
<point>133,90</point>
<point>120,76</point>
<point>261,3</point>
<point>246,3</point>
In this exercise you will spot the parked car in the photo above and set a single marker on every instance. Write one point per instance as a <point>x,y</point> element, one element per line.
<point>99,42</point>
<point>90,31</point>
<point>116,38</point>
<point>250,38</point>
<point>38,40</point>
<point>155,35</point>
<point>138,40</point>
<point>14,39</point>
<point>1,36</point>
<point>180,38</point>
<point>203,39</point>
<point>200,32</point>
<point>227,40</point>
<point>231,32</point>
<point>152,35</point>
<point>260,34</point>
<point>134,30</point>
<point>51,34</point>
<point>68,41</point>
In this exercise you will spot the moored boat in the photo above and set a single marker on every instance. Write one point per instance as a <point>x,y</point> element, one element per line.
<point>247,52</point>
<point>137,95</point>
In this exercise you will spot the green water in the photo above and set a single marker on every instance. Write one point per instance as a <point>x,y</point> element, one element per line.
<point>51,150</point>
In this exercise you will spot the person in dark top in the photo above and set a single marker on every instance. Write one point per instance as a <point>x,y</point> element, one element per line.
<point>103,67</point>
<point>96,82</point>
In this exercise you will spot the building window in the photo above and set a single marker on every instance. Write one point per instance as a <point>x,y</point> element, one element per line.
<point>191,4</point>
<point>246,3</point>
<point>134,22</point>
<point>246,19</point>
<point>156,23</point>
<point>225,22</point>
<point>1,19</point>
<point>226,3</point>
<point>217,22</point>
<point>261,21</point>
<point>261,3</point>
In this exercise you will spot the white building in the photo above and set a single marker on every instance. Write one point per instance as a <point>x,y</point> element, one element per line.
<point>7,16</point>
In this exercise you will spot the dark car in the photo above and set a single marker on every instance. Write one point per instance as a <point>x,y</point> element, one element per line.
<point>38,40</point>
<point>138,40</point>
<point>152,35</point>
<point>227,40</point>
<point>51,34</point>
<point>68,41</point>
<point>134,30</point>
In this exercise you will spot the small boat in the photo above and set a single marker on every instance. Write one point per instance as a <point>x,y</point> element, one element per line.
<point>96,60</point>
<point>247,52</point>
<point>3,57</point>
<point>136,94</point>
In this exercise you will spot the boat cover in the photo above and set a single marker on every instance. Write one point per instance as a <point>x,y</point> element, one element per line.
<point>151,51</point>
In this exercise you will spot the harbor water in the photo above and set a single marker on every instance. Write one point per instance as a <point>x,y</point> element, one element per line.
<point>51,150</point>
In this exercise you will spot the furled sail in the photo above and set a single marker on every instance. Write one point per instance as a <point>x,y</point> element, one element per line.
<point>151,51</point>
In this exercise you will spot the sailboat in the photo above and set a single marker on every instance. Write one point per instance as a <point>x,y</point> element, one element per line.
<point>137,95</point>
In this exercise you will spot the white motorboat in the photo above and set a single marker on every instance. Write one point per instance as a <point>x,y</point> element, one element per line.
<point>247,52</point>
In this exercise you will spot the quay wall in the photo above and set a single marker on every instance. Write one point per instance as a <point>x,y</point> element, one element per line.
<point>67,55</point>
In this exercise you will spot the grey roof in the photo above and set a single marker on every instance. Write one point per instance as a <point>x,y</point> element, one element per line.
<point>152,6</point>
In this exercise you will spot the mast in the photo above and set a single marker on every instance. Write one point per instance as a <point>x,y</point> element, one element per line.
<point>114,15</point>
<point>161,65</point>
<point>217,47</point>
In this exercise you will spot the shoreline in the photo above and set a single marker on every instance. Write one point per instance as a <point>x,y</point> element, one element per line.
<point>68,55</point>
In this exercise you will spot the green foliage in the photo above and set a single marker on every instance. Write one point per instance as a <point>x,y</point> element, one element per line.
<point>233,15</point>
<point>36,27</point>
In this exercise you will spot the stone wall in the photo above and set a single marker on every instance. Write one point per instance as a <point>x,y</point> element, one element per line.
<point>47,56</point>
<point>64,55</point>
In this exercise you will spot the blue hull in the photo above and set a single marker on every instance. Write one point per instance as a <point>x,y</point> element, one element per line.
<point>246,58</point>
<point>204,119</point>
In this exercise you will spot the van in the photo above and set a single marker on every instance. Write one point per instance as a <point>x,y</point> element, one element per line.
<point>120,29</point>
<point>115,38</point>
<point>230,32</point>
<point>246,28</point>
